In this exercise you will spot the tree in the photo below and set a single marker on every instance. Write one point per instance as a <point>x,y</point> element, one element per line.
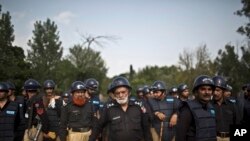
<point>245,11</point>
<point>228,66</point>
<point>88,63</point>
<point>46,50</point>
<point>13,67</point>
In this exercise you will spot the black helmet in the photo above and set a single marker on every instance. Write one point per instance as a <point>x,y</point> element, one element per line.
<point>31,84</point>
<point>139,89</point>
<point>3,87</point>
<point>146,90</point>
<point>219,82</point>
<point>77,85</point>
<point>66,94</point>
<point>118,82</point>
<point>182,87</point>
<point>10,86</point>
<point>173,90</point>
<point>202,80</point>
<point>92,83</point>
<point>49,84</point>
<point>159,85</point>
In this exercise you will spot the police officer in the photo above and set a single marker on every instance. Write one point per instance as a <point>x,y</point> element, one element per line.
<point>77,116</point>
<point>246,109</point>
<point>92,86</point>
<point>53,108</point>
<point>127,119</point>
<point>173,91</point>
<point>9,115</point>
<point>196,120</point>
<point>21,105</point>
<point>165,111</point>
<point>66,97</point>
<point>139,93</point>
<point>228,91</point>
<point>36,118</point>
<point>225,110</point>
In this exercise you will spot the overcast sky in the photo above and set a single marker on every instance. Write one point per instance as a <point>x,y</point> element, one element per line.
<point>148,32</point>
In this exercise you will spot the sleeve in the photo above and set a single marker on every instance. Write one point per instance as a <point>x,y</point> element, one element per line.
<point>153,104</point>
<point>146,126</point>
<point>41,112</point>
<point>98,126</point>
<point>184,122</point>
<point>63,123</point>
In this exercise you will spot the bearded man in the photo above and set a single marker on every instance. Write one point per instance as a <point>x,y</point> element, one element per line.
<point>77,116</point>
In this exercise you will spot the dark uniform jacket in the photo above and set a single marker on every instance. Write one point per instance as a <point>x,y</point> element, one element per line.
<point>9,121</point>
<point>226,114</point>
<point>196,122</point>
<point>76,118</point>
<point>35,112</point>
<point>131,125</point>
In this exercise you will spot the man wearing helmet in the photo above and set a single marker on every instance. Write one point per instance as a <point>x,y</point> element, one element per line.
<point>127,119</point>
<point>77,115</point>
<point>10,118</point>
<point>164,108</point>
<point>196,119</point>
<point>92,86</point>
<point>225,109</point>
<point>53,108</point>
<point>35,113</point>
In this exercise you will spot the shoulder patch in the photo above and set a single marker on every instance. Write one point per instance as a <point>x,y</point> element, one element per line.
<point>8,112</point>
<point>110,105</point>
<point>169,99</point>
<point>232,100</point>
<point>96,102</point>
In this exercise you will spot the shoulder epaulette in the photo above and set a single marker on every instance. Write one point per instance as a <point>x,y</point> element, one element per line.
<point>111,104</point>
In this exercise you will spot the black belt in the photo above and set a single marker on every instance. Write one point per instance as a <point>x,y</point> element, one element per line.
<point>223,134</point>
<point>80,129</point>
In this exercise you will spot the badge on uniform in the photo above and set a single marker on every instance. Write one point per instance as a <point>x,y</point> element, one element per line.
<point>20,105</point>
<point>10,112</point>
<point>26,115</point>
<point>40,111</point>
<point>37,105</point>
<point>212,112</point>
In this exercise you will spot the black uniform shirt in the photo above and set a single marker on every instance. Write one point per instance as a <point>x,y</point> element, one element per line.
<point>35,112</point>
<point>131,125</point>
<point>73,116</point>
<point>226,114</point>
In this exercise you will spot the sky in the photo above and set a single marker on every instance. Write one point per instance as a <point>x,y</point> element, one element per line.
<point>145,32</point>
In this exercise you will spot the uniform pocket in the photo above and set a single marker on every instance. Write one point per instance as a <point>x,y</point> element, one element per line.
<point>116,124</point>
<point>74,116</point>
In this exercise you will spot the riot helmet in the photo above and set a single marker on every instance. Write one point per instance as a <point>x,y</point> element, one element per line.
<point>220,82</point>
<point>31,84</point>
<point>119,82</point>
<point>182,87</point>
<point>202,80</point>
<point>10,85</point>
<point>49,84</point>
<point>77,85</point>
<point>3,87</point>
<point>159,86</point>
<point>92,83</point>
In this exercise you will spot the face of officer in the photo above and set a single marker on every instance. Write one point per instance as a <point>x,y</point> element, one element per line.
<point>31,93</point>
<point>11,92</point>
<point>121,95</point>
<point>227,93</point>
<point>158,94</point>
<point>185,94</point>
<point>3,95</point>
<point>49,92</point>
<point>218,94</point>
<point>140,95</point>
<point>204,93</point>
<point>78,97</point>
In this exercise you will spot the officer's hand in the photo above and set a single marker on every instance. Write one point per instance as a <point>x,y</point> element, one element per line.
<point>51,135</point>
<point>161,116</point>
<point>173,120</point>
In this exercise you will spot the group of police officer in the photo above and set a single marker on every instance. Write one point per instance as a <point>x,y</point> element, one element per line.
<point>153,114</point>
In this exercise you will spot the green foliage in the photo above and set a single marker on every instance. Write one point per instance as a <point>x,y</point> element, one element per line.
<point>13,67</point>
<point>88,64</point>
<point>245,11</point>
<point>46,50</point>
